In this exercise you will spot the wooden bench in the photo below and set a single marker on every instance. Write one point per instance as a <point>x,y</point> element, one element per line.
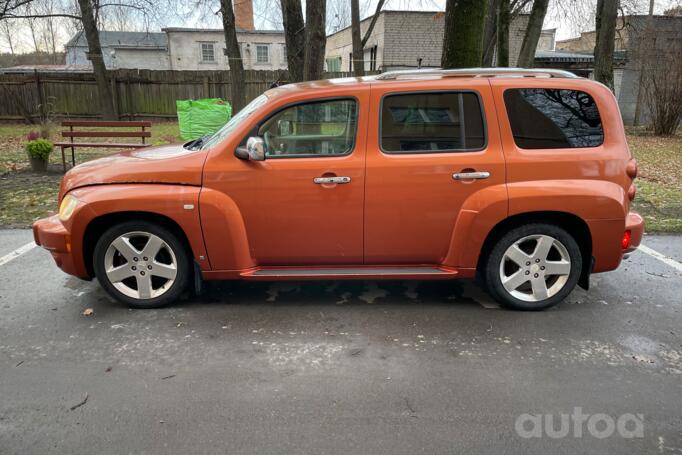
<point>72,133</point>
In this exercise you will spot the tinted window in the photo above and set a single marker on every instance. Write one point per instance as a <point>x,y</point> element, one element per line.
<point>431,122</point>
<point>311,129</point>
<point>548,119</point>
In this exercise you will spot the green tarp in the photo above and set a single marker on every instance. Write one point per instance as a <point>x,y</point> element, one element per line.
<point>200,117</point>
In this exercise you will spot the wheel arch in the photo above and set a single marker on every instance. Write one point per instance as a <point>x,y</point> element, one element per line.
<point>572,223</point>
<point>98,225</point>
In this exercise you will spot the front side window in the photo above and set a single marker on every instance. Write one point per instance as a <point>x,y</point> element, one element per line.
<point>207,52</point>
<point>432,122</point>
<point>262,53</point>
<point>320,128</point>
<point>553,118</point>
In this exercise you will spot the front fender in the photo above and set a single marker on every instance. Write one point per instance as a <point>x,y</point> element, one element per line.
<point>224,232</point>
<point>180,203</point>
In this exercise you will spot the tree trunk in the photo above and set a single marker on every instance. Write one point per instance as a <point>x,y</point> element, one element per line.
<point>294,36</point>
<point>532,35</point>
<point>490,33</point>
<point>372,22</point>
<point>463,38</point>
<point>358,57</point>
<point>234,56</point>
<point>607,14</point>
<point>95,55</point>
<point>503,19</point>
<point>315,39</point>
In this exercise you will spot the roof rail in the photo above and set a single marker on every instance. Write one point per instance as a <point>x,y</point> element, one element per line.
<point>435,73</point>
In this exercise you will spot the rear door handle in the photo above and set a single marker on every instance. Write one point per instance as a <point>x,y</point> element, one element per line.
<point>471,175</point>
<point>327,180</point>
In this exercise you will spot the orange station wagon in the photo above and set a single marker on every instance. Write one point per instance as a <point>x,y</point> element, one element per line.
<point>521,177</point>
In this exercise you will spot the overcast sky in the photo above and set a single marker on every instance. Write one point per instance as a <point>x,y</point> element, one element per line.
<point>569,17</point>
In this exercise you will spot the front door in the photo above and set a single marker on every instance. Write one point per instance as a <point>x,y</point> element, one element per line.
<point>428,152</point>
<point>303,205</point>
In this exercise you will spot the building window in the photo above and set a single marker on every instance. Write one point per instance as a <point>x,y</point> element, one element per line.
<point>334,64</point>
<point>262,53</point>
<point>350,62</point>
<point>373,58</point>
<point>432,122</point>
<point>207,52</point>
<point>552,118</point>
<point>284,53</point>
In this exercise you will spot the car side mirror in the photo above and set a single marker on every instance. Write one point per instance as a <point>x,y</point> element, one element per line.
<point>253,151</point>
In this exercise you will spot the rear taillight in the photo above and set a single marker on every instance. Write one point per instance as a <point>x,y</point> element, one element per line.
<point>632,192</point>
<point>631,169</point>
<point>625,243</point>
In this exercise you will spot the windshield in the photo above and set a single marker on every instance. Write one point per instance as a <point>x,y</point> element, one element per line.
<point>235,121</point>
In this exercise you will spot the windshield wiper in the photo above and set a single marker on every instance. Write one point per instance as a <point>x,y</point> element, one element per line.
<point>197,143</point>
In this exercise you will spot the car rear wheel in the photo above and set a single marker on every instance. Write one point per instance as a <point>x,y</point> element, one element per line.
<point>142,264</point>
<point>533,267</point>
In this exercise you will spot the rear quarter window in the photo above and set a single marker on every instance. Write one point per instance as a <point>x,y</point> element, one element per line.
<point>552,118</point>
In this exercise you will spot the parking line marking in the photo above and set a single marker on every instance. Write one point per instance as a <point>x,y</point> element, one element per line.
<point>16,253</point>
<point>661,257</point>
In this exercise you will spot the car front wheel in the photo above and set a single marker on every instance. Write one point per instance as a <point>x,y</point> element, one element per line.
<point>142,264</point>
<point>533,267</point>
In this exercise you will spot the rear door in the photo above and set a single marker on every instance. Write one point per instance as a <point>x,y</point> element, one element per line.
<point>429,150</point>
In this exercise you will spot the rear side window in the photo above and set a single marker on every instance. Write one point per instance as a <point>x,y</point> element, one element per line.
<point>432,122</point>
<point>551,118</point>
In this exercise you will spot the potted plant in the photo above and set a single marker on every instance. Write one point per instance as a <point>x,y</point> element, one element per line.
<point>38,151</point>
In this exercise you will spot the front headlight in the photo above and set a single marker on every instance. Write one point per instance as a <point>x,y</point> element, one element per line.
<point>67,207</point>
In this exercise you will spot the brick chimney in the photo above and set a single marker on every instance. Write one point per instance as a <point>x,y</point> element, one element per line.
<point>243,14</point>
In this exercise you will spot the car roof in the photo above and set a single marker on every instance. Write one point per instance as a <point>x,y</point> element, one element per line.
<point>418,75</point>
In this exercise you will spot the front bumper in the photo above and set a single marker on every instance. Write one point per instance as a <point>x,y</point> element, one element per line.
<point>52,235</point>
<point>635,224</point>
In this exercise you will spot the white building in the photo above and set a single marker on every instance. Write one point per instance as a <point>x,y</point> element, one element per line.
<point>140,50</point>
<point>411,39</point>
<point>201,49</point>
<point>185,48</point>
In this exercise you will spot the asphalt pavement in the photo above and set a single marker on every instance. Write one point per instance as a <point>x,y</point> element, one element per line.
<point>340,367</point>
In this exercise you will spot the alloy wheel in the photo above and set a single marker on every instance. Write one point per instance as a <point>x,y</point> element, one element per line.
<point>535,267</point>
<point>140,265</point>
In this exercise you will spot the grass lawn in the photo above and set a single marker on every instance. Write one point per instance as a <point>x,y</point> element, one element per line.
<point>26,196</point>
<point>659,185</point>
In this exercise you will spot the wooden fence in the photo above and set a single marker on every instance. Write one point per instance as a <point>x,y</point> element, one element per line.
<point>137,93</point>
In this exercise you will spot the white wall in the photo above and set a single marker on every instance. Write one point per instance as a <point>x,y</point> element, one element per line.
<point>185,50</point>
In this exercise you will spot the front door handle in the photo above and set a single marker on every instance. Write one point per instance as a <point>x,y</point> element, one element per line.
<point>328,180</point>
<point>471,175</point>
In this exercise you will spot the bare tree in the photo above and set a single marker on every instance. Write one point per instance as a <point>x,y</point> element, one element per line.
<point>462,41</point>
<point>234,56</point>
<point>7,30</point>
<point>358,52</point>
<point>490,33</point>
<point>503,21</point>
<point>294,36</point>
<point>532,35</point>
<point>372,22</point>
<point>315,39</point>
<point>661,87</point>
<point>97,59</point>
<point>607,14</point>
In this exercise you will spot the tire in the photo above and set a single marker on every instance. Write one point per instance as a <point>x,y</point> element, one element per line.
<point>527,256</point>
<point>142,264</point>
